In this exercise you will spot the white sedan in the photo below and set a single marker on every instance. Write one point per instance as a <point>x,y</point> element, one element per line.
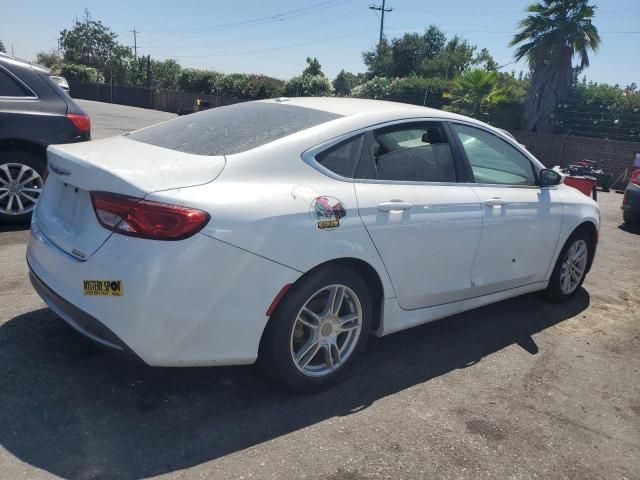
<point>287,231</point>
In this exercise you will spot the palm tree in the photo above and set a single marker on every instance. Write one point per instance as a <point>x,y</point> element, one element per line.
<point>550,37</point>
<point>476,94</point>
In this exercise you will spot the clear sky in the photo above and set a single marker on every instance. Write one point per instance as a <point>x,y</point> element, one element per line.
<point>275,37</point>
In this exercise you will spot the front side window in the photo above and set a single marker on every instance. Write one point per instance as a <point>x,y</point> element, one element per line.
<point>493,160</point>
<point>415,152</point>
<point>9,87</point>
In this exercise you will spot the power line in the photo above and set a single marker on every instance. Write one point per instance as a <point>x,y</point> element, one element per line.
<point>380,8</point>
<point>279,17</point>
<point>282,47</point>
<point>344,19</point>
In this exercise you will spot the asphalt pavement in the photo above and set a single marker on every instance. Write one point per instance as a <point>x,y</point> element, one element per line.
<point>519,389</point>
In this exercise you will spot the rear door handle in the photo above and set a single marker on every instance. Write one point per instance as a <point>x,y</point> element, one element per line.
<point>496,202</point>
<point>394,205</point>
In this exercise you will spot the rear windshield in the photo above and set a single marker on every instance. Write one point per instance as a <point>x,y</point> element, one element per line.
<point>232,129</point>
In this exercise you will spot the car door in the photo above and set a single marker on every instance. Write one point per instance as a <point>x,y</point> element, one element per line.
<point>423,222</point>
<point>521,221</point>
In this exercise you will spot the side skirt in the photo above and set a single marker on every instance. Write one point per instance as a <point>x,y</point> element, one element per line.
<point>395,318</point>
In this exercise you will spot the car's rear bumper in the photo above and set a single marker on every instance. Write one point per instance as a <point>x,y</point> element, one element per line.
<point>194,302</point>
<point>84,323</point>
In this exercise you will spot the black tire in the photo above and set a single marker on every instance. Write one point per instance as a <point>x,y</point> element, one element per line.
<point>594,193</point>
<point>25,158</point>
<point>630,218</point>
<point>275,357</point>
<point>554,291</point>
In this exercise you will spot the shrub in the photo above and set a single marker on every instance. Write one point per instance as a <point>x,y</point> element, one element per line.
<point>247,87</point>
<point>81,73</point>
<point>308,86</point>
<point>413,89</point>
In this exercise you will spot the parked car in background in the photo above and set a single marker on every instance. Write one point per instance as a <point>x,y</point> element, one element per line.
<point>60,81</point>
<point>34,113</point>
<point>289,230</point>
<point>631,201</point>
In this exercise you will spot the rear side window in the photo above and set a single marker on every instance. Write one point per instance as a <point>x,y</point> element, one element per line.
<point>416,152</point>
<point>232,129</point>
<point>9,87</point>
<point>342,158</point>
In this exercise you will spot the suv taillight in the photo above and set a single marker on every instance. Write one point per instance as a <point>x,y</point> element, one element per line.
<point>635,177</point>
<point>136,217</point>
<point>81,122</point>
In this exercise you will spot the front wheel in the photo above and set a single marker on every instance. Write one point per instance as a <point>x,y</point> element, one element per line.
<point>318,330</point>
<point>571,267</point>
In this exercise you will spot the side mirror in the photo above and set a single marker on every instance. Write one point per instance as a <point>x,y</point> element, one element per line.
<point>549,177</point>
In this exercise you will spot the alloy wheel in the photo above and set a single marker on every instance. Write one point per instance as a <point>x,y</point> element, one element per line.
<point>20,188</point>
<point>573,267</point>
<point>326,330</point>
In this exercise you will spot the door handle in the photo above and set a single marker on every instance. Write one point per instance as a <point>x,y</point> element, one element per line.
<point>394,205</point>
<point>495,202</point>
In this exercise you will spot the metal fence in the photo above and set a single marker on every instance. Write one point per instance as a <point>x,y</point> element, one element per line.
<point>153,98</point>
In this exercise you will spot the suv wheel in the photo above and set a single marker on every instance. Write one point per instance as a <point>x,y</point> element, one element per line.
<point>21,180</point>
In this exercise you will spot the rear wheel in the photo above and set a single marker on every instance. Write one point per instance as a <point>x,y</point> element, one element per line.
<point>571,267</point>
<point>21,180</point>
<point>318,330</point>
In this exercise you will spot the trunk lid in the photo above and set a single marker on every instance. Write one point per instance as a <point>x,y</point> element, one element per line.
<point>65,214</point>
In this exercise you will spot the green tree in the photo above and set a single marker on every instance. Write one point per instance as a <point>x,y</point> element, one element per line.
<point>412,49</point>
<point>429,54</point>
<point>345,82</point>
<point>50,59</point>
<point>477,94</point>
<point>554,32</point>
<point>313,67</point>
<point>166,73</point>
<point>93,44</point>
<point>454,59</point>
<point>2,49</point>
<point>379,60</point>
<point>485,61</point>
<point>404,56</point>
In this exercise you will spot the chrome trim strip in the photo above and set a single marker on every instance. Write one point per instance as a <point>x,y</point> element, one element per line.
<point>308,156</point>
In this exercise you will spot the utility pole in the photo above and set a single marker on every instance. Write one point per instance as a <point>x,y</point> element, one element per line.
<point>12,54</point>
<point>135,43</point>
<point>381,8</point>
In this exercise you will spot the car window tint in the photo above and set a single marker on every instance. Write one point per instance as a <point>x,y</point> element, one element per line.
<point>411,152</point>
<point>232,129</point>
<point>9,87</point>
<point>341,158</point>
<point>492,159</point>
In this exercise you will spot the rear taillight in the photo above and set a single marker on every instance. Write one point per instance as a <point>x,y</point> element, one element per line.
<point>81,122</point>
<point>635,177</point>
<point>144,219</point>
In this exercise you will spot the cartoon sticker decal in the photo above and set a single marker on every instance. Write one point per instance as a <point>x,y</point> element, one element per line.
<point>327,212</point>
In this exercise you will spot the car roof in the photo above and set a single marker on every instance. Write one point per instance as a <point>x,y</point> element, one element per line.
<point>19,62</point>
<point>353,106</point>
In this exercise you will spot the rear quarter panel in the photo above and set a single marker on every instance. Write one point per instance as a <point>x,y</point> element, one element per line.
<point>263,202</point>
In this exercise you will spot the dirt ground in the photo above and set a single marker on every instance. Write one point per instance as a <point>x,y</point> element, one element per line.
<point>519,389</point>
